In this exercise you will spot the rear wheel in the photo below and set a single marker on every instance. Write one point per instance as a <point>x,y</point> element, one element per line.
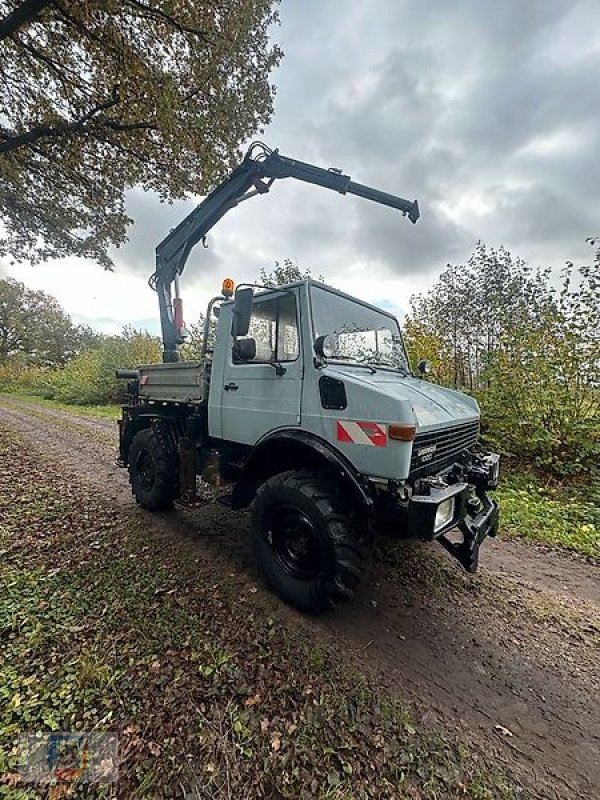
<point>153,471</point>
<point>312,552</point>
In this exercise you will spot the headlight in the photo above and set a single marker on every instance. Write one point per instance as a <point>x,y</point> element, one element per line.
<point>444,514</point>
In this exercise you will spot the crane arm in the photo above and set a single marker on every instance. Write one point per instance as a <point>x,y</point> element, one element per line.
<point>254,175</point>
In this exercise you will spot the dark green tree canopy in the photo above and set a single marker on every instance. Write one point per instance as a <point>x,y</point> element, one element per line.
<point>102,95</point>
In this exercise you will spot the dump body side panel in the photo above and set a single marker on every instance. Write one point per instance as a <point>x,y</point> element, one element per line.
<point>178,382</point>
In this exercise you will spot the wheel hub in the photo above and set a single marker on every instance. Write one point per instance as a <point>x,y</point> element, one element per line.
<point>296,542</point>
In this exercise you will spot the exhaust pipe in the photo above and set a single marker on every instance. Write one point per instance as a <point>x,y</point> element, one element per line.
<point>127,374</point>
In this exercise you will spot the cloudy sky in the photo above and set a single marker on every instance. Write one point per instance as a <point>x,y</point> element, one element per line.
<point>487,112</point>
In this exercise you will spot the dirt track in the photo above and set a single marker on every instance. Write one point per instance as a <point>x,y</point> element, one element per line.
<point>516,646</point>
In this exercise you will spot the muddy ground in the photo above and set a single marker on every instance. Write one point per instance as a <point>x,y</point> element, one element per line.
<point>507,660</point>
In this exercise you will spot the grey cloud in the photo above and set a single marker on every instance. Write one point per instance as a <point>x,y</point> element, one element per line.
<point>404,250</point>
<point>153,221</point>
<point>436,101</point>
<point>541,225</point>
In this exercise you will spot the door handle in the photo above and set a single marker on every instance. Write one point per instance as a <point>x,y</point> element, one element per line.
<point>231,387</point>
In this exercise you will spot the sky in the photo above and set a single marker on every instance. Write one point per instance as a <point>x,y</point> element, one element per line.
<point>486,112</point>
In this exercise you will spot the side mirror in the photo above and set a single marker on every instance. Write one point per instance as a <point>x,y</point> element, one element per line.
<point>242,310</point>
<point>424,366</point>
<point>324,346</point>
<point>244,350</point>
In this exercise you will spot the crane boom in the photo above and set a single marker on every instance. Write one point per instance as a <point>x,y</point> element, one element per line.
<point>254,175</point>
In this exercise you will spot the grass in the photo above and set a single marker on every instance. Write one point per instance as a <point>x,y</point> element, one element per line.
<point>110,412</point>
<point>560,515</point>
<point>105,628</point>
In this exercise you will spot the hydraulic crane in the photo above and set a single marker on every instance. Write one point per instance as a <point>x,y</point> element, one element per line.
<point>254,175</point>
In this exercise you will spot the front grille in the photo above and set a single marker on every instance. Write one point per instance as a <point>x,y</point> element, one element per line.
<point>448,443</point>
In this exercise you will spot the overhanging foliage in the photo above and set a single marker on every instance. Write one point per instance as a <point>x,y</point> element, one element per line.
<point>100,96</point>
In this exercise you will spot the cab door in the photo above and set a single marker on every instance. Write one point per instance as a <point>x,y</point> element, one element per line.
<point>263,393</point>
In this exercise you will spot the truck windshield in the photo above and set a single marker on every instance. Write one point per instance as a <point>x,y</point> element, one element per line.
<point>360,334</point>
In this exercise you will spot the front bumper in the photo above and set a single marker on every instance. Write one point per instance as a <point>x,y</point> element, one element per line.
<point>462,508</point>
<point>474,529</point>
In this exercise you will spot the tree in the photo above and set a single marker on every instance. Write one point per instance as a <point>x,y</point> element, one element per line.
<point>34,327</point>
<point>542,403</point>
<point>100,96</point>
<point>470,308</point>
<point>288,272</point>
<point>191,350</point>
<point>529,352</point>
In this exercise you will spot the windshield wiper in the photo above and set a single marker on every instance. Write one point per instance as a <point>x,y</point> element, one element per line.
<point>354,363</point>
<point>383,365</point>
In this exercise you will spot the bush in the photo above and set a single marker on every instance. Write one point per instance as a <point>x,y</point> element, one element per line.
<point>18,376</point>
<point>90,379</point>
<point>529,353</point>
<point>542,426</point>
<point>554,514</point>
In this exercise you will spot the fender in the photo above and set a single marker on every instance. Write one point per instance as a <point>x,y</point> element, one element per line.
<point>288,448</point>
<point>168,426</point>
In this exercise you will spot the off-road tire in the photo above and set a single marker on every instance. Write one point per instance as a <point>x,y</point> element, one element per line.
<point>153,471</point>
<point>341,543</point>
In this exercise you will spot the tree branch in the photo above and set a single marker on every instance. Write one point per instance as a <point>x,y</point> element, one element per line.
<point>115,125</point>
<point>12,143</point>
<point>22,15</point>
<point>160,14</point>
<point>49,62</point>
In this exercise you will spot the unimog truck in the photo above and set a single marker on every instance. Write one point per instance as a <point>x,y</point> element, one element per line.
<point>302,406</point>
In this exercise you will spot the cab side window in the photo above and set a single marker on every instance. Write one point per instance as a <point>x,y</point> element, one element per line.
<point>274,328</point>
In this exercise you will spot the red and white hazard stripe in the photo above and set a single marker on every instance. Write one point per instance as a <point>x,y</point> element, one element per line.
<point>371,434</point>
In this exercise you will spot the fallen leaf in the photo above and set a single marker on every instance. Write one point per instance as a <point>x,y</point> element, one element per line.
<point>252,701</point>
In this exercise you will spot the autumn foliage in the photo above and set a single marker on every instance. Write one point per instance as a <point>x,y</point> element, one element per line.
<point>98,97</point>
<point>527,349</point>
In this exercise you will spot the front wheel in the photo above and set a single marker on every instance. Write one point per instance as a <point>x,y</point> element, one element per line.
<point>312,553</point>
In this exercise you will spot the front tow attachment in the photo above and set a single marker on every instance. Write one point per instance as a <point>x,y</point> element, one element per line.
<point>474,529</point>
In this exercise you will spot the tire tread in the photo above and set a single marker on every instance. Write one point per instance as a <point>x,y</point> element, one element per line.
<point>350,544</point>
